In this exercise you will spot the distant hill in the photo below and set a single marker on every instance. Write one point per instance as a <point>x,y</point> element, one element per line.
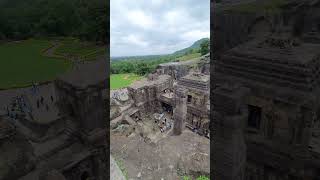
<point>195,45</point>
<point>145,57</point>
<point>143,65</point>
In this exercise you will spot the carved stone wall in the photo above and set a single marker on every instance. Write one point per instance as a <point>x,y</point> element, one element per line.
<point>287,97</point>
<point>86,106</point>
<point>229,149</point>
<point>180,110</point>
<point>146,96</point>
<point>176,71</point>
<point>93,166</point>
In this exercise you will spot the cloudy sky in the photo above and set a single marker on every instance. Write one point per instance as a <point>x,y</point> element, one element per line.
<point>145,27</point>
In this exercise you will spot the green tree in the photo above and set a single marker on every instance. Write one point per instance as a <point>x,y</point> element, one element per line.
<point>84,19</point>
<point>204,47</point>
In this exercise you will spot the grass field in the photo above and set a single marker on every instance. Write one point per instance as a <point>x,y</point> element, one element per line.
<point>189,57</point>
<point>22,63</point>
<point>76,47</point>
<point>122,80</point>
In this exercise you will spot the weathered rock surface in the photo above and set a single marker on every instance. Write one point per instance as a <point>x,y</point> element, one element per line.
<point>271,49</point>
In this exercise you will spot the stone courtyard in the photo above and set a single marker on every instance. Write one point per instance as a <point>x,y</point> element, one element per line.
<point>160,124</point>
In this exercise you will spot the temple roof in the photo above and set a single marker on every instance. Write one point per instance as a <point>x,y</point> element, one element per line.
<point>273,61</point>
<point>197,77</point>
<point>195,80</point>
<point>145,82</point>
<point>300,55</point>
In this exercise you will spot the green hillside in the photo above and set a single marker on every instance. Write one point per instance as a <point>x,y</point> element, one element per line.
<point>195,46</point>
<point>143,65</point>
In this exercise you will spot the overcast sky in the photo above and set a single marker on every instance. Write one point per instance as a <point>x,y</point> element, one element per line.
<point>145,27</point>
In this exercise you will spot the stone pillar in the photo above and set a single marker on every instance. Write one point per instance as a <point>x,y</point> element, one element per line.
<point>229,118</point>
<point>180,112</point>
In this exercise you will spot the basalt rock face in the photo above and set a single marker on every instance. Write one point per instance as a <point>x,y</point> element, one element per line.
<point>176,69</point>
<point>114,110</point>
<point>146,92</point>
<point>74,146</point>
<point>274,54</point>
<point>229,146</point>
<point>16,158</point>
<point>235,24</point>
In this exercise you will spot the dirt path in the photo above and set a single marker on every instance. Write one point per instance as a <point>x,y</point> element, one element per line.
<point>50,51</point>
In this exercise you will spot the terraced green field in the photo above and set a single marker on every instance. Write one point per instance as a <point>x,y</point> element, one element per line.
<point>22,63</point>
<point>122,80</point>
<point>75,47</point>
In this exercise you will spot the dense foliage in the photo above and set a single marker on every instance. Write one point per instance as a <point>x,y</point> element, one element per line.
<point>143,65</point>
<point>204,47</point>
<point>85,19</point>
<point>139,66</point>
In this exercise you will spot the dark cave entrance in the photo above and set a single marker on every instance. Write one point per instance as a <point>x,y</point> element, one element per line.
<point>70,110</point>
<point>254,117</point>
<point>85,176</point>
<point>167,108</point>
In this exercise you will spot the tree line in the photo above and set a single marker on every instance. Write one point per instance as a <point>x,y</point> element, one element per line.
<point>147,64</point>
<point>84,19</point>
<point>140,67</point>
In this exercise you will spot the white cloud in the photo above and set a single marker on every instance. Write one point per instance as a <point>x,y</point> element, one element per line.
<point>145,27</point>
<point>139,18</point>
<point>135,40</point>
<point>195,35</point>
<point>176,17</point>
<point>157,2</point>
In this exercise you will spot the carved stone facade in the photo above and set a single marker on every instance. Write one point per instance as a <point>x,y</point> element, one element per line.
<point>184,94</point>
<point>197,90</point>
<point>270,57</point>
<point>146,93</point>
<point>228,133</point>
<point>71,147</point>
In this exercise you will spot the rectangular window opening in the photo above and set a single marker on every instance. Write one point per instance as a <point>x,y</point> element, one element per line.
<point>254,117</point>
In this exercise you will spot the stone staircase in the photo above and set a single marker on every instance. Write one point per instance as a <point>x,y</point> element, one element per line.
<point>64,140</point>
